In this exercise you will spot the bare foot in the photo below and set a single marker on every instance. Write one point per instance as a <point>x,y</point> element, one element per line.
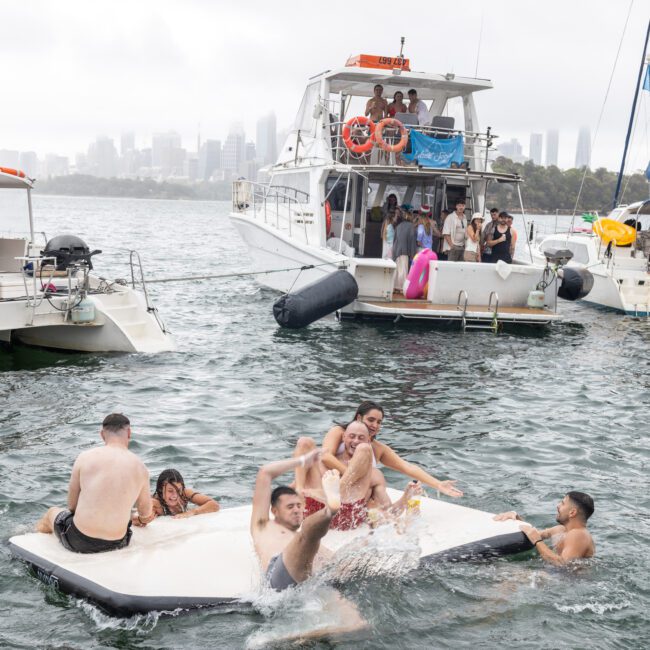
<point>331,486</point>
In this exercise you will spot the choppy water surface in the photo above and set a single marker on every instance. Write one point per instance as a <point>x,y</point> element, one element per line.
<point>518,419</point>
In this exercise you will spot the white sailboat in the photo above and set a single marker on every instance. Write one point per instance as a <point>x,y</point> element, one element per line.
<point>321,209</point>
<point>50,298</point>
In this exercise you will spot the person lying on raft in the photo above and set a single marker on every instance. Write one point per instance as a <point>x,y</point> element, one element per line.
<point>360,482</point>
<point>98,515</point>
<point>372,415</point>
<point>171,498</point>
<point>570,538</point>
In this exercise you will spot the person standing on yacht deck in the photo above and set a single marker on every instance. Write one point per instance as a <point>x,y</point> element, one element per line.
<point>397,106</point>
<point>501,240</point>
<point>486,233</point>
<point>105,483</point>
<point>473,241</point>
<point>404,248</point>
<point>418,107</point>
<point>455,233</point>
<point>377,106</point>
<point>513,241</point>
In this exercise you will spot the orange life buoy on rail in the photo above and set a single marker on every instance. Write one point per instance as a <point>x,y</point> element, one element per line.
<point>394,124</point>
<point>328,218</point>
<point>13,172</point>
<point>356,122</point>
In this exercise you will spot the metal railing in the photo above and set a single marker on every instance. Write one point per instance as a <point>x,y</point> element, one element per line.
<point>282,207</point>
<point>472,141</point>
<point>135,262</point>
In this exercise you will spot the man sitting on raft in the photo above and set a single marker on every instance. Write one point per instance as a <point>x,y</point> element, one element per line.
<point>571,539</point>
<point>372,415</point>
<point>105,483</point>
<point>361,481</point>
<point>171,498</point>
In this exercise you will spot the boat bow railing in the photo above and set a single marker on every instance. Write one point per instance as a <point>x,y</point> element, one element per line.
<point>279,206</point>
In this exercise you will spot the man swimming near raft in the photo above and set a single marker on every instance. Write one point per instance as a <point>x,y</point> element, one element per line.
<point>105,483</point>
<point>572,539</point>
<point>361,482</point>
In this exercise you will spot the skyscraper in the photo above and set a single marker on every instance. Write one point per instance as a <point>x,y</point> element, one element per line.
<point>512,150</point>
<point>583,148</point>
<point>127,142</point>
<point>29,163</point>
<point>266,143</point>
<point>552,147</point>
<point>209,159</point>
<point>167,154</point>
<point>234,150</point>
<point>535,151</point>
<point>102,158</point>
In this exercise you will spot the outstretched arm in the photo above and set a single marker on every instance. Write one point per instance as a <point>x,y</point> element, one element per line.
<point>390,459</point>
<point>205,504</point>
<point>263,485</point>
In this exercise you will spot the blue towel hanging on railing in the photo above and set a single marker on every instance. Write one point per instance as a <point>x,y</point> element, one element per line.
<point>435,152</point>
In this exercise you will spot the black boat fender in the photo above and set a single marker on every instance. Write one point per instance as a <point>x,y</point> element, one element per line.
<point>318,299</point>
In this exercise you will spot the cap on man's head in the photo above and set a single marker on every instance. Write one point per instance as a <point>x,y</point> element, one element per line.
<point>504,214</point>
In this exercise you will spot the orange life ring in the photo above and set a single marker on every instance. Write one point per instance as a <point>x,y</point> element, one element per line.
<point>356,122</point>
<point>13,172</point>
<point>392,123</point>
<point>328,218</point>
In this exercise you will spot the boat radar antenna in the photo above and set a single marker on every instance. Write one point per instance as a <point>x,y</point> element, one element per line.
<point>401,47</point>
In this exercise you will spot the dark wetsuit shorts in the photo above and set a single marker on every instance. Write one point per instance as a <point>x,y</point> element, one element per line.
<point>74,540</point>
<point>277,574</point>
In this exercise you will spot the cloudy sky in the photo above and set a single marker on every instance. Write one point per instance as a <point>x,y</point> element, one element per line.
<point>73,70</point>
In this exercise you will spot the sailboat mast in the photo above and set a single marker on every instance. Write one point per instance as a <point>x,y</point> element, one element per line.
<point>629,126</point>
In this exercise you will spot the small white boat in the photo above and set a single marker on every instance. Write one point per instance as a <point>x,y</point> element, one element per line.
<point>50,298</point>
<point>621,273</point>
<point>209,561</point>
<point>321,209</point>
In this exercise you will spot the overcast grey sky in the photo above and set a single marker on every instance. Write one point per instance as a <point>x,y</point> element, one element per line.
<point>73,69</point>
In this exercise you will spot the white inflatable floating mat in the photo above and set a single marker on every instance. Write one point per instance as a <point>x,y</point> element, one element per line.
<point>208,561</point>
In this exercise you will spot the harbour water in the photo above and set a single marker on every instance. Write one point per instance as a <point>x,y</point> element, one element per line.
<point>519,419</point>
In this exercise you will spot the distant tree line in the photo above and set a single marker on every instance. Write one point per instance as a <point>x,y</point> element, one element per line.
<point>546,189</point>
<point>145,188</point>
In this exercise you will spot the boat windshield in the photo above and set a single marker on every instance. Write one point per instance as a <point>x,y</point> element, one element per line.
<point>14,213</point>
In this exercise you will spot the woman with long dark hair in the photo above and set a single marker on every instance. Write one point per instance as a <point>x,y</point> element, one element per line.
<point>172,498</point>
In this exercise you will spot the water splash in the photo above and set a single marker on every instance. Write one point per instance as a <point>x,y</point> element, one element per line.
<point>138,623</point>
<point>596,608</point>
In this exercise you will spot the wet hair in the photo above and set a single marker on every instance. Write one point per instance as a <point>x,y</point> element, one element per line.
<point>366,406</point>
<point>169,476</point>
<point>398,92</point>
<point>413,91</point>
<point>280,491</point>
<point>583,502</point>
<point>115,422</point>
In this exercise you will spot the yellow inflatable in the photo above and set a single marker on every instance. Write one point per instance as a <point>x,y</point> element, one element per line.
<point>610,229</point>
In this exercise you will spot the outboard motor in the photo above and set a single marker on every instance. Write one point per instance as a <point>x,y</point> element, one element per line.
<point>318,299</point>
<point>68,250</point>
<point>576,283</point>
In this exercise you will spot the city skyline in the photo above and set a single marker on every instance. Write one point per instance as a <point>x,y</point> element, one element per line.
<point>164,70</point>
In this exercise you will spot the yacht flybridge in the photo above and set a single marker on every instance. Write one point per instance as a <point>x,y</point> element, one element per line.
<point>321,209</point>
<point>50,298</point>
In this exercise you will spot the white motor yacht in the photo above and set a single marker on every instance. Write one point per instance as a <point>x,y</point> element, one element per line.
<point>49,297</point>
<point>322,207</point>
<point>621,273</point>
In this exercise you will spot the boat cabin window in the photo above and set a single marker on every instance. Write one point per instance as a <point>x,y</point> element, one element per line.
<point>305,118</point>
<point>14,213</point>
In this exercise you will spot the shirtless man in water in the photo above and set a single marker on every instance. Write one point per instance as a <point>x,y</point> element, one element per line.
<point>361,482</point>
<point>377,106</point>
<point>573,539</point>
<point>105,483</point>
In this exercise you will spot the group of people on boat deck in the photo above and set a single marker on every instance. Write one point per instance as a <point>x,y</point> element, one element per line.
<point>406,232</point>
<point>337,485</point>
<point>378,108</point>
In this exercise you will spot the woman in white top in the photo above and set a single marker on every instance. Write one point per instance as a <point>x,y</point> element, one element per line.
<point>473,241</point>
<point>387,236</point>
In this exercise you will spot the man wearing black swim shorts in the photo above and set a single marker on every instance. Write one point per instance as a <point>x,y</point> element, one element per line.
<point>105,483</point>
